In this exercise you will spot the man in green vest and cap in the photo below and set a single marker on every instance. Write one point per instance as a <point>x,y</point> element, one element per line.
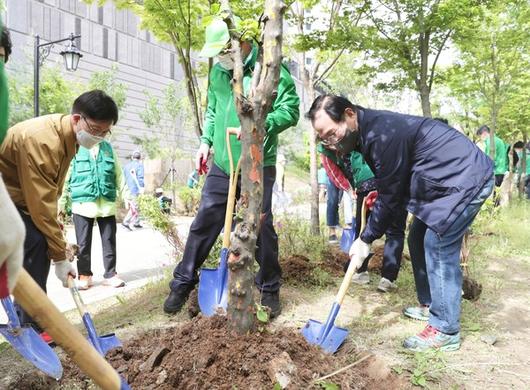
<point>94,183</point>
<point>221,114</point>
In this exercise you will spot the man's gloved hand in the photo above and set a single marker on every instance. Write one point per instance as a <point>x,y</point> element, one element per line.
<point>359,251</point>
<point>201,159</point>
<point>12,234</point>
<point>64,268</point>
<point>370,199</point>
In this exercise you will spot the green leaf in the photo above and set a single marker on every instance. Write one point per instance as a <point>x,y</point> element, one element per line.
<point>398,370</point>
<point>262,315</point>
<point>422,381</point>
<point>329,386</point>
<point>277,386</point>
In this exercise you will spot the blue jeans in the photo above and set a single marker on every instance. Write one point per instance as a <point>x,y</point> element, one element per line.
<point>436,265</point>
<point>332,205</point>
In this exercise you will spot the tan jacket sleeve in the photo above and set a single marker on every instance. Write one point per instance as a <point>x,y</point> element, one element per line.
<point>38,167</point>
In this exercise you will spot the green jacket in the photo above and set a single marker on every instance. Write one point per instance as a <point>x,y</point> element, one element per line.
<point>221,113</point>
<point>520,163</point>
<point>92,179</point>
<point>360,169</point>
<point>501,155</point>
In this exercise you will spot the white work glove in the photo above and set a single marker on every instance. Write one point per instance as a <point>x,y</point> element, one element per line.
<point>359,251</point>
<point>201,158</point>
<point>64,268</point>
<point>12,235</point>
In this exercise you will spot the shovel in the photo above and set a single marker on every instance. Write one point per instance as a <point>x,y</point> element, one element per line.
<point>328,336</point>
<point>347,237</point>
<point>29,344</point>
<point>213,282</point>
<point>102,344</point>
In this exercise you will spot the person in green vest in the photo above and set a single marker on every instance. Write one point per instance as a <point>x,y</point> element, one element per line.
<point>501,153</point>
<point>94,183</point>
<point>518,147</point>
<point>352,172</point>
<point>221,114</point>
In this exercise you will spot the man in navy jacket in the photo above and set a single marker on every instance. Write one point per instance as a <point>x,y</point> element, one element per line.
<point>433,170</point>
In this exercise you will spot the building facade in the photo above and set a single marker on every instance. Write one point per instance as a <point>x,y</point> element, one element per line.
<point>109,37</point>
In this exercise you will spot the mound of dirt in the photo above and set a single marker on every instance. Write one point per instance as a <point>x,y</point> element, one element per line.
<point>333,260</point>
<point>297,270</point>
<point>205,354</point>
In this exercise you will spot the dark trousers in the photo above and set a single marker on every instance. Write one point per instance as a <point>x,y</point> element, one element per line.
<point>209,222</point>
<point>394,241</point>
<point>36,262</point>
<point>334,196</point>
<point>416,241</point>
<point>83,234</point>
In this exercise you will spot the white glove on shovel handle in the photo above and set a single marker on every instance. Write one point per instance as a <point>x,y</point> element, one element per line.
<point>359,251</point>
<point>63,269</point>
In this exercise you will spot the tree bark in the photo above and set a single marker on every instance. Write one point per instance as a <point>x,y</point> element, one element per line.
<point>252,111</point>
<point>523,167</point>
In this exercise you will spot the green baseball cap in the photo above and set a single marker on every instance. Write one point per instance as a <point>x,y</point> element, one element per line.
<point>217,36</point>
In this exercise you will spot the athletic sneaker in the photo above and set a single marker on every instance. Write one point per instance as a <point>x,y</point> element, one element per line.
<point>386,285</point>
<point>114,282</point>
<point>333,239</point>
<point>432,338</point>
<point>420,313</point>
<point>84,282</point>
<point>361,278</point>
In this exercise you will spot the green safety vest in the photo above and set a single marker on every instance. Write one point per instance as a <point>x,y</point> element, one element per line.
<point>92,179</point>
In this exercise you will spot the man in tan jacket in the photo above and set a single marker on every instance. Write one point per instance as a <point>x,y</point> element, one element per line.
<point>34,159</point>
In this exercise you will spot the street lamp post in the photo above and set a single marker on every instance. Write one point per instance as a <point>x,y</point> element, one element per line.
<point>71,55</point>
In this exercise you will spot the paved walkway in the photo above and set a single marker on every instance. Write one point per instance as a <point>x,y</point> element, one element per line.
<point>143,256</point>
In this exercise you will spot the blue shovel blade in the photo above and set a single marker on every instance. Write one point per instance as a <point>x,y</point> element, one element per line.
<point>213,287</point>
<point>102,344</point>
<point>331,342</point>
<point>348,235</point>
<point>32,348</point>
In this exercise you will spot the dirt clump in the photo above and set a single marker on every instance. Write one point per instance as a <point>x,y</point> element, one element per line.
<point>297,270</point>
<point>205,354</point>
<point>333,260</point>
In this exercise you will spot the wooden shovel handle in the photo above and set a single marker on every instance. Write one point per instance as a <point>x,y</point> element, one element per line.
<point>231,189</point>
<point>35,302</point>
<point>351,270</point>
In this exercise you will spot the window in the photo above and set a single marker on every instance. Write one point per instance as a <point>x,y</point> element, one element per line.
<point>307,26</point>
<point>105,43</point>
<point>308,61</point>
<point>172,66</point>
<point>78,32</point>
<point>100,15</point>
<point>148,36</point>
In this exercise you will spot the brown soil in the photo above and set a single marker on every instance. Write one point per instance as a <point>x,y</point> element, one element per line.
<point>297,270</point>
<point>333,260</point>
<point>193,303</point>
<point>472,289</point>
<point>204,354</point>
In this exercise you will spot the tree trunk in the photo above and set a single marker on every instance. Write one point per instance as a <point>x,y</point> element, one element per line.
<point>191,90</point>
<point>493,130</point>
<point>425,100</point>
<point>313,161</point>
<point>252,111</point>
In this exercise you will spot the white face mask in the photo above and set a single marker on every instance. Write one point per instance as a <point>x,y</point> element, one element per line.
<point>226,61</point>
<point>87,140</point>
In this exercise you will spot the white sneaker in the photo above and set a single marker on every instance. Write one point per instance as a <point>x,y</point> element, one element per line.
<point>386,285</point>
<point>84,282</point>
<point>114,282</point>
<point>361,278</point>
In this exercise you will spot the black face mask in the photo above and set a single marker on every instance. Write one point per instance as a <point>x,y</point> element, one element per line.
<point>348,143</point>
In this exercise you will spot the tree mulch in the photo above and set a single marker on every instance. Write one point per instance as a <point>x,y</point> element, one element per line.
<point>205,353</point>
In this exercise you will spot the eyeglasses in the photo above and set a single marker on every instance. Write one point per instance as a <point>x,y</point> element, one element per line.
<point>331,138</point>
<point>96,132</point>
